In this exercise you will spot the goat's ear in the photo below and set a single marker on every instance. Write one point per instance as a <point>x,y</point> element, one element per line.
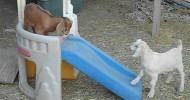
<point>64,26</point>
<point>141,45</point>
<point>68,24</point>
<point>138,41</point>
<point>60,27</point>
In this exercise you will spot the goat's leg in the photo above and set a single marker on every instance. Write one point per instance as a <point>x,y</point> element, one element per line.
<point>137,79</point>
<point>26,24</point>
<point>170,76</point>
<point>153,84</point>
<point>39,31</point>
<point>33,29</point>
<point>182,78</point>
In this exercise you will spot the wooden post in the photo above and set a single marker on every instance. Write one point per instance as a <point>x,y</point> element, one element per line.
<point>156,18</point>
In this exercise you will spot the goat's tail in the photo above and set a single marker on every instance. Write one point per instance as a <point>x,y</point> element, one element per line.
<point>180,45</point>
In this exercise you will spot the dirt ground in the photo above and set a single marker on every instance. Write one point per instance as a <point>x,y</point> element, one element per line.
<point>112,25</point>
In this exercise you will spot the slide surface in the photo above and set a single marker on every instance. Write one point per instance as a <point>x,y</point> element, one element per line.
<point>100,67</point>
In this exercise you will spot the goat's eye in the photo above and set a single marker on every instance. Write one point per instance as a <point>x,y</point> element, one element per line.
<point>136,46</point>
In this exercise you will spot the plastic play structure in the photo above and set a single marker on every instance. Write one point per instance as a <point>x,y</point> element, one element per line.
<point>49,52</point>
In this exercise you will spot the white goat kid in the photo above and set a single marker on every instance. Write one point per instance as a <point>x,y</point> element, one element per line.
<point>154,63</point>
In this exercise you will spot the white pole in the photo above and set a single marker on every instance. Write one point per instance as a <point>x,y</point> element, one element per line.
<point>156,18</point>
<point>21,4</point>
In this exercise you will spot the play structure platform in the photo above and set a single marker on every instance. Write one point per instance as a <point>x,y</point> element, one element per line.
<point>102,68</point>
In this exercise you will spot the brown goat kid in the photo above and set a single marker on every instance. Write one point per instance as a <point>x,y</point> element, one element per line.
<point>42,22</point>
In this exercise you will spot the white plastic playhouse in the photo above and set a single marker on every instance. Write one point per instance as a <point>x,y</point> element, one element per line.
<point>45,52</point>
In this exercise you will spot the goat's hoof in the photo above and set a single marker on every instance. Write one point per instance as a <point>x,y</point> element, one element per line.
<point>181,89</point>
<point>133,82</point>
<point>150,95</point>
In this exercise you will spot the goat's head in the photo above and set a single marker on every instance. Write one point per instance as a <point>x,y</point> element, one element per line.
<point>64,26</point>
<point>136,47</point>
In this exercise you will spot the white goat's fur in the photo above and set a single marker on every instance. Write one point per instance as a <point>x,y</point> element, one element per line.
<point>154,63</point>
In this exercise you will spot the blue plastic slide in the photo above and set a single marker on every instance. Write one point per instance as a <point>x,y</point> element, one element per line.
<point>102,68</point>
